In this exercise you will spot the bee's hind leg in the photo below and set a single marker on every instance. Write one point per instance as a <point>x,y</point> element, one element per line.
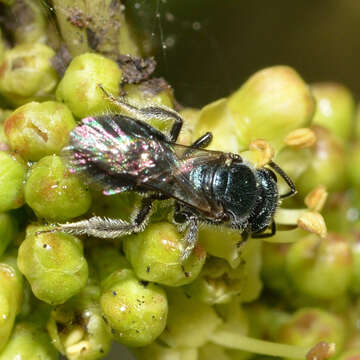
<point>159,112</point>
<point>109,228</point>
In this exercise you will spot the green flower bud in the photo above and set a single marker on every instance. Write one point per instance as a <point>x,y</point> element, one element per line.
<point>294,162</point>
<point>265,320</point>
<point>4,114</point>
<point>77,328</point>
<point>327,167</point>
<point>79,88</point>
<point>155,91</point>
<point>273,269</point>
<point>213,352</point>
<point>35,130</point>
<point>190,322</point>
<point>13,171</point>
<point>135,311</point>
<point>213,286</point>
<point>4,144</point>
<point>224,244</point>
<point>350,355</point>
<point>8,231</point>
<point>156,351</point>
<point>119,206</point>
<point>54,265</point>
<point>273,102</point>
<point>11,293</point>
<point>190,117</point>
<point>27,74</point>
<point>219,283</point>
<point>234,318</point>
<point>339,212</point>
<point>320,268</point>
<point>107,259</point>
<point>30,24</point>
<point>29,341</point>
<point>309,326</point>
<point>335,108</point>
<point>353,164</point>
<point>156,255</point>
<point>217,119</point>
<point>355,251</point>
<point>151,93</point>
<point>53,193</point>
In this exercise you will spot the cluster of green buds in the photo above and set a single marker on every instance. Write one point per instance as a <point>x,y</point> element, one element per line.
<point>292,296</point>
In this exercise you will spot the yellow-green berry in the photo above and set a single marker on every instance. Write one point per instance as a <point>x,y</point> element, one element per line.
<point>77,328</point>
<point>135,311</point>
<point>35,130</point>
<point>54,265</point>
<point>26,73</point>
<point>54,193</point>
<point>335,108</point>
<point>327,167</point>
<point>13,171</point>
<point>29,341</point>
<point>156,255</point>
<point>11,294</point>
<point>8,230</point>
<point>271,103</point>
<point>79,88</point>
<point>216,118</point>
<point>190,322</point>
<point>320,268</point>
<point>309,326</point>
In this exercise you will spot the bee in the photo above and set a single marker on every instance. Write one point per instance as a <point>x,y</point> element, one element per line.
<point>125,153</point>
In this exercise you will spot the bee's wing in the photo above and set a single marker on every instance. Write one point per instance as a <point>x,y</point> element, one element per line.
<point>175,179</point>
<point>115,152</point>
<point>120,154</point>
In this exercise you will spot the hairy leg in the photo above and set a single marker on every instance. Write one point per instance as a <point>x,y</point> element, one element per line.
<point>110,228</point>
<point>152,112</point>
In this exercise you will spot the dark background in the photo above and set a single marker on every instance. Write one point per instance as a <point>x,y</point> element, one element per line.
<point>218,44</point>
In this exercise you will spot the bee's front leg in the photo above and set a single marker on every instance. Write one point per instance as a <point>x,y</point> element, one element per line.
<point>185,220</point>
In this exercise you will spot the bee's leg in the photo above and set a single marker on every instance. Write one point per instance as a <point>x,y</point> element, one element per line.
<point>109,228</point>
<point>152,112</point>
<point>190,238</point>
<point>203,141</point>
<point>244,238</point>
<point>186,220</point>
<point>265,234</point>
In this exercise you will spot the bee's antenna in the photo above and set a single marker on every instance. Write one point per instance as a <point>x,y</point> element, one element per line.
<point>287,179</point>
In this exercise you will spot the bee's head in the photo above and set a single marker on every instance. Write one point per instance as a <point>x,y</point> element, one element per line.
<point>267,200</point>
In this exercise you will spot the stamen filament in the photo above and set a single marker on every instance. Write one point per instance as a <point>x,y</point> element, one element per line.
<point>288,216</point>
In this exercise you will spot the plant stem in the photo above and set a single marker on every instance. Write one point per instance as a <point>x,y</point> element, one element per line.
<point>241,342</point>
<point>70,16</point>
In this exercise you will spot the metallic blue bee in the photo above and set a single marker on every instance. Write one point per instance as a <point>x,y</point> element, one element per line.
<point>127,154</point>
